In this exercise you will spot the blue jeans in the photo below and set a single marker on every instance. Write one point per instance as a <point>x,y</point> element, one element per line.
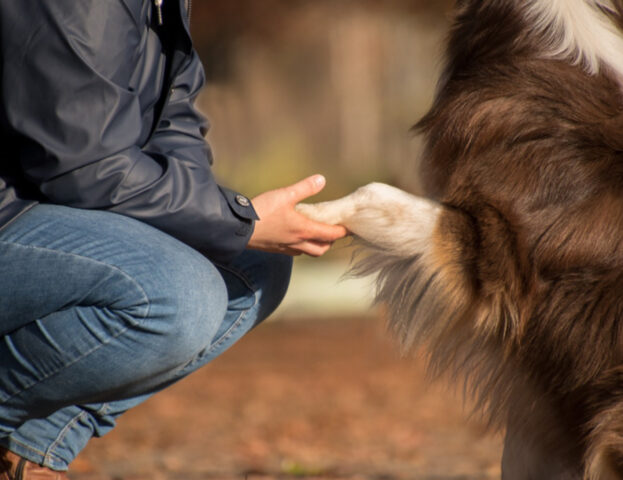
<point>99,311</point>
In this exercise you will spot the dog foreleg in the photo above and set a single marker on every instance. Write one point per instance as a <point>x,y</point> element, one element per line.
<point>383,216</point>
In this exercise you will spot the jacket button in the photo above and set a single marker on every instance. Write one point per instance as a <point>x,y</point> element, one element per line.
<point>242,200</point>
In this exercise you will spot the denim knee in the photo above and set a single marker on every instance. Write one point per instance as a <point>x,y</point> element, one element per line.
<point>186,308</point>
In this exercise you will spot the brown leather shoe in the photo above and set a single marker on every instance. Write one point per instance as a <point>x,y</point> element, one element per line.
<point>14,467</point>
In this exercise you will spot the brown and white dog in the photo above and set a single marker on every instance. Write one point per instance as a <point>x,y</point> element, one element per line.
<point>511,274</point>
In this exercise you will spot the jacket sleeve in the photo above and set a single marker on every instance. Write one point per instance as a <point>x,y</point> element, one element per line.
<point>70,86</point>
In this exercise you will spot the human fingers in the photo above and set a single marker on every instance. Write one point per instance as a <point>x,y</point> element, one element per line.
<point>305,188</point>
<point>321,232</point>
<point>311,248</point>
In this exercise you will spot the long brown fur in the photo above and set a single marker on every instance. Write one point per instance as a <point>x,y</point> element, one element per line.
<point>528,153</point>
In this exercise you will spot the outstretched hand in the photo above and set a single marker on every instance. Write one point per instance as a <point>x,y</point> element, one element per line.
<point>281,229</point>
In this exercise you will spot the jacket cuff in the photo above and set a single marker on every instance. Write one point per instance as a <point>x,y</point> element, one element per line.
<point>243,209</point>
<point>239,204</point>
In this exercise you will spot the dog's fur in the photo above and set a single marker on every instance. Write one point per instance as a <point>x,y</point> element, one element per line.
<point>512,275</point>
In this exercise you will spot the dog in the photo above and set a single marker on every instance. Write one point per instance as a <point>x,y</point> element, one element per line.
<point>510,272</point>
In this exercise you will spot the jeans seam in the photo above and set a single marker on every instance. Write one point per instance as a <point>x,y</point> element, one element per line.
<point>233,327</point>
<point>244,279</point>
<point>49,454</point>
<point>49,457</point>
<point>104,409</point>
<point>28,447</point>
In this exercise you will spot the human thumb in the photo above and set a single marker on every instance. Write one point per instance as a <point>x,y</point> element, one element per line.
<point>306,188</point>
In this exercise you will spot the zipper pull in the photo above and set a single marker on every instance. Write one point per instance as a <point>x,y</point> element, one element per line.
<point>158,5</point>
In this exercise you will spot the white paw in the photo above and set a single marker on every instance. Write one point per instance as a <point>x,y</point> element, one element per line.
<point>382,215</point>
<point>320,212</point>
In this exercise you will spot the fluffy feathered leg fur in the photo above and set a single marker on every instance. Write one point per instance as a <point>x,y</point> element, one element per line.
<point>420,267</point>
<point>436,285</point>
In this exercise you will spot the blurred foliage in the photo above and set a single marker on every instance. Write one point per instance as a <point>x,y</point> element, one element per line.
<point>297,87</point>
<point>220,21</point>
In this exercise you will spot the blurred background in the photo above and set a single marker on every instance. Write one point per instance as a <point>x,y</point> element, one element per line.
<point>297,87</point>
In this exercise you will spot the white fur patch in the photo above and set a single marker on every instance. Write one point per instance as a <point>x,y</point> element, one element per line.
<point>579,31</point>
<point>384,216</point>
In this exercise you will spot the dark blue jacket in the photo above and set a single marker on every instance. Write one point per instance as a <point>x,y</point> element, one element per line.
<point>96,111</point>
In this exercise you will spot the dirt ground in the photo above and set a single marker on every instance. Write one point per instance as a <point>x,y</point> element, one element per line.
<point>299,399</point>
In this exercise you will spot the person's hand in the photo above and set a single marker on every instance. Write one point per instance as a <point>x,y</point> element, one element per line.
<point>281,229</point>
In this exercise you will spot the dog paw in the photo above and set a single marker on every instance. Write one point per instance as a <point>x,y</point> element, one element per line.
<point>326,212</point>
